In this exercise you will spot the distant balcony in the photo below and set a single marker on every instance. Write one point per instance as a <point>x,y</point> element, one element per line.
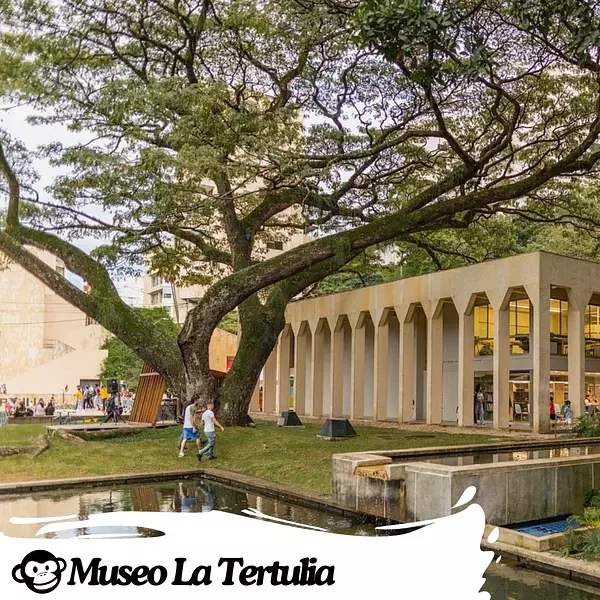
<point>519,344</point>
<point>592,348</point>
<point>484,346</point>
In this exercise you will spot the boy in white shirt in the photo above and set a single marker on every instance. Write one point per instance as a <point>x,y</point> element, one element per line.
<point>209,420</point>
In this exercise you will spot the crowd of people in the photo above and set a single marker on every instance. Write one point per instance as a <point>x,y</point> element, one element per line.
<point>97,397</point>
<point>24,407</point>
<point>91,397</point>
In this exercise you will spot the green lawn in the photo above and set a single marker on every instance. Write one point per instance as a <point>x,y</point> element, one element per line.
<point>18,436</point>
<point>290,456</point>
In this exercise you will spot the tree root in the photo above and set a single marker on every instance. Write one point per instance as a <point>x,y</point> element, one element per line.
<point>39,445</point>
<point>69,437</point>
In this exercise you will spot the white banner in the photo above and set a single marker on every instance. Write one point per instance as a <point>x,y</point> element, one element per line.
<point>224,555</point>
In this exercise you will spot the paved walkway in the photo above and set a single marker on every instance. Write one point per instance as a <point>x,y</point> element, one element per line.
<point>517,433</point>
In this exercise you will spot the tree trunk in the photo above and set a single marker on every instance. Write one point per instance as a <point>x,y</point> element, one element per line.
<point>261,326</point>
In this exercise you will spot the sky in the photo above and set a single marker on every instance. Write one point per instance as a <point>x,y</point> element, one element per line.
<point>15,122</point>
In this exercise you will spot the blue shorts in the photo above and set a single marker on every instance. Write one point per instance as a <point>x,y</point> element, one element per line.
<point>189,434</point>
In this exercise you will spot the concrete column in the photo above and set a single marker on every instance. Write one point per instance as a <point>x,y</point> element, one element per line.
<point>284,364</point>
<point>357,364</point>
<point>317,358</point>
<point>300,379</point>
<point>540,400</point>
<point>337,366</point>
<point>435,362</point>
<point>270,383</point>
<point>406,368</point>
<point>381,367</point>
<point>500,300</point>
<point>578,301</point>
<point>466,360</point>
<point>254,406</point>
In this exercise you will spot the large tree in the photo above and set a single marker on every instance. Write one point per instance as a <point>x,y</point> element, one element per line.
<point>215,126</point>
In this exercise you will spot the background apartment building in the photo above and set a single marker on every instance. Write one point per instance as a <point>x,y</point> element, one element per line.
<point>179,300</point>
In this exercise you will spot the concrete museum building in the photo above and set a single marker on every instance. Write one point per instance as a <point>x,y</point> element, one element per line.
<point>523,328</point>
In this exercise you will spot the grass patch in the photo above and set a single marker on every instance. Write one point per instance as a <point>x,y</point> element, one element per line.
<point>290,456</point>
<point>17,436</point>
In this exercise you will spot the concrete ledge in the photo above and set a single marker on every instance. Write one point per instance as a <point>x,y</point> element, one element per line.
<point>22,487</point>
<point>515,445</point>
<point>569,568</point>
<point>526,541</point>
<point>246,482</point>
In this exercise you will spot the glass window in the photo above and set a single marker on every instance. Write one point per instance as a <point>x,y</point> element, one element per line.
<point>559,314</point>
<point>519,313</point>
<point>156,298</point>
<point>592,322</point>
<point>484,330</point>
<point>519,317</point>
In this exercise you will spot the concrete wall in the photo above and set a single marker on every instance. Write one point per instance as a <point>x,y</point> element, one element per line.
<point>450,366</point>
<point>509,493</point>
<point>45,342</point>
<point>385,485</point>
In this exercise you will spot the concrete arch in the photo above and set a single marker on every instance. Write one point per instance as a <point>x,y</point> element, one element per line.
<point>321,360</point>
<point>303,369</point>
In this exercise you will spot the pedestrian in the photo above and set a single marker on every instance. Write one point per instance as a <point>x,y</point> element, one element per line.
<point>50,408</point>
<point>479,406</point>
<point>209,420</point>
<point>552,408</point>
<point>78,398</point>
<point>90,397</point>
<point>190,430</point>
<point>39,409</point>
<point>103,397</point>
<point>97,397</point>
<point>567,412</point>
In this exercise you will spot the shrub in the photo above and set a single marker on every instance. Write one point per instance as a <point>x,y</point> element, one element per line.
<point>592,499</point>
<point>574,542</point>
<point>590,544</point>
<point>587,426</point>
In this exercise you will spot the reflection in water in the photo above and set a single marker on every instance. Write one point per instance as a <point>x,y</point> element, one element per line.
<point>505,581</point>
<point>461,460</point>
<point>510,582</point>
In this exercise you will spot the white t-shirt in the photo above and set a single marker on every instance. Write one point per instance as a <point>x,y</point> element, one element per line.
<point>187,419</point>
<point>207,418</point>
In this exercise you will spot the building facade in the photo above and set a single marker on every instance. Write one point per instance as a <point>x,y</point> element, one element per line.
<point>45,343</point>
<point>523,328</point>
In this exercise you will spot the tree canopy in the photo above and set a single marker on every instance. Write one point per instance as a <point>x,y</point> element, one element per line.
<point>215,126</point>
<point>122,363</point>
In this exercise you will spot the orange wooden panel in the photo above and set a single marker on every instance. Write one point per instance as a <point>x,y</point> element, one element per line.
<point>148,398</point>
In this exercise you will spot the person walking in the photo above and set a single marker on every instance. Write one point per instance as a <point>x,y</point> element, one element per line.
<point>78,399</point>
<point>209,420</point>
<point>190,431</point>
<point>567,412</point>
<point>479,406</point>
<point>103,397</point>
<point>552,408</point>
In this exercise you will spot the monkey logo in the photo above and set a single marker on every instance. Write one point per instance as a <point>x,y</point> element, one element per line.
<point>40,571</point>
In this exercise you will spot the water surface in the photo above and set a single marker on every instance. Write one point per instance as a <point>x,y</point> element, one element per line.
<point>504,581</point>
